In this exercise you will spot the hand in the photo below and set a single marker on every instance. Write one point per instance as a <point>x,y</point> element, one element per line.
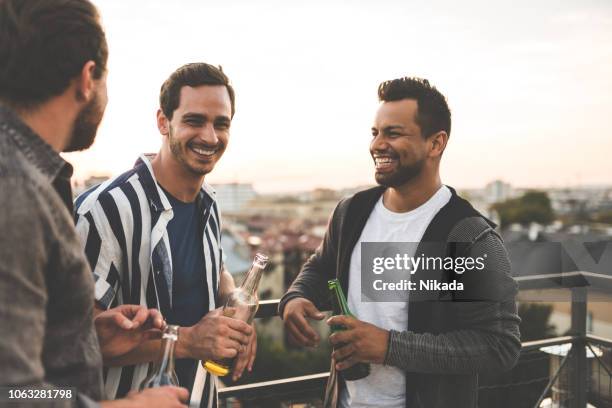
<point>214,337</point>
<point>360,342</point>
<point>162,397</point>
<point>247,357</point>
<point>299,330</point>
<point>123,328</point>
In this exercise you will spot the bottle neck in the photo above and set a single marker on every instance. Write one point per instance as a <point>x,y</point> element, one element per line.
<point>344,309</point>
<point>251,280</point>
<point>165,364</point>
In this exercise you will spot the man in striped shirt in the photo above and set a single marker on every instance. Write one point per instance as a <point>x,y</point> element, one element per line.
<point>152,237</point>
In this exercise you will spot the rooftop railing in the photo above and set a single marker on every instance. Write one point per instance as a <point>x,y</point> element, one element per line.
<point>571,371</point>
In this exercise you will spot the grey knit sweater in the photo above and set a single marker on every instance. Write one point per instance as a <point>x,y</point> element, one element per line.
<point>452,337</point>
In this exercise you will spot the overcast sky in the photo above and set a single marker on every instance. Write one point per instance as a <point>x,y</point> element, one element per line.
<point>529,84</point>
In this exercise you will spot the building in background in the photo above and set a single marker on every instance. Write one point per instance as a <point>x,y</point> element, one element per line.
<point>233,197</point>
<point>497,191</point>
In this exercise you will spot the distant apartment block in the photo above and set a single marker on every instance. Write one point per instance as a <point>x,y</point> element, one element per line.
<point>233,197</point>
<point>497,191</point>
<point>581,199</point>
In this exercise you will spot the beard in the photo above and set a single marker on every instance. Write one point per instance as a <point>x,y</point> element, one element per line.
<point>86,125</point>
<point>401,176</point>
<point>179,151</point>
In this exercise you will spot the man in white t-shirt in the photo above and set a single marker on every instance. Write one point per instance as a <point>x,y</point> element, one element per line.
<point>421,354</point>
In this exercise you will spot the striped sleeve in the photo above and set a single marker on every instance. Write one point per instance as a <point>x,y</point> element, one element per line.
<point>103,254</point>
<point>219,221</point>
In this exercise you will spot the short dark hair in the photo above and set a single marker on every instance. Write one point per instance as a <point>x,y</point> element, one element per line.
<point>194,74</point>
<point>433,114</point>
<point>44,44</point>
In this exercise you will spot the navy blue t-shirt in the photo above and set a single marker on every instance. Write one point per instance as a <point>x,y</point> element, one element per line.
<point>189,291</point>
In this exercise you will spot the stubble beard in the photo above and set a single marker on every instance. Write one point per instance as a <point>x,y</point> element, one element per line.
<point>179,151</point>
<point>401,176</point>
<point>86,125</point>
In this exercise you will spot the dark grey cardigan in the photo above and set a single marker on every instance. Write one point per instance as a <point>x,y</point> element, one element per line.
<point>451,336</point>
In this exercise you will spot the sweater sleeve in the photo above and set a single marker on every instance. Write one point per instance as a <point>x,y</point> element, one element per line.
<point>486,337</point>
<point>27,242</point>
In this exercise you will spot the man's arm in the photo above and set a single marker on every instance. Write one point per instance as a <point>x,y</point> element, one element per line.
<point>311,282</point>
<point>489,338</point>
<point>104,257</point>
<point>124,328</point>
<point>145,352</point>
<point>25,226</point>
<point>214,337</point>
<point>102,251</point>
<point>309,290</point>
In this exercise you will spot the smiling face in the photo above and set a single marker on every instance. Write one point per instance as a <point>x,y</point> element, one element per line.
<point>398,147</point>
<point>198,132</point>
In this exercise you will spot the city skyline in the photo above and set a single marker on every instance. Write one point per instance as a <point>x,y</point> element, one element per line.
<point>528,85</point>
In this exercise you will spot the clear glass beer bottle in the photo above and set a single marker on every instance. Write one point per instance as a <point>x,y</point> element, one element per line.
<point>163,371</point>
<point>241,304</point>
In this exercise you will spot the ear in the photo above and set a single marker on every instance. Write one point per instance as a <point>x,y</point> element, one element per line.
<point>163,124</point>
<point>438,143</point>
<point>85,82</point>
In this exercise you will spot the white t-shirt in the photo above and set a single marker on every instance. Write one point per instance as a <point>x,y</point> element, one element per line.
<point>386,385</point>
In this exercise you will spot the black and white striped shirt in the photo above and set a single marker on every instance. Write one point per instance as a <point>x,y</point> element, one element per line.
<point>122,224</point>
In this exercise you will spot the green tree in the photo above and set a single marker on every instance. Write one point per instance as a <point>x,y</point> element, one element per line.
<point>533,206</point>
<point>604,217</point>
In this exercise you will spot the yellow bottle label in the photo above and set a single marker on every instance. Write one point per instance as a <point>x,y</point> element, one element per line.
<point>216,369</point>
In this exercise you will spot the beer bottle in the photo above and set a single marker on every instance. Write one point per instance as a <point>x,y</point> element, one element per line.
<point>241,304</point>
<point>163,371</point>
<point>340,307</point>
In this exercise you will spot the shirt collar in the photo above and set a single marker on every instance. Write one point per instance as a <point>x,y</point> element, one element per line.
<point>157,197</point>
<point>33,147</point>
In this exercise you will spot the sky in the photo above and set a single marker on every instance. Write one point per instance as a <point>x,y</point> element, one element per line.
<point>529,84</point>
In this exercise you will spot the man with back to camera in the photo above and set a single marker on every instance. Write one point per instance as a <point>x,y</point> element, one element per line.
<point>154,235</point>
<point>52,99</point>
<point>426,351</point>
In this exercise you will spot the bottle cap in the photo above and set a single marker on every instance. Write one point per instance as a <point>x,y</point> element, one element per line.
<point>261,260</point>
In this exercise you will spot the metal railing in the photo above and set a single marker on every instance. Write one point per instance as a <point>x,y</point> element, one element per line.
<point>570,383</point>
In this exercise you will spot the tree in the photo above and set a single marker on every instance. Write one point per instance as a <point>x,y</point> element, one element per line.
<point>533,206</point>
<point>604,217</point>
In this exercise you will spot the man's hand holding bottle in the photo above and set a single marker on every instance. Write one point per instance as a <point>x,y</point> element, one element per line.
<point>355,342</point>
<point>217,337</point>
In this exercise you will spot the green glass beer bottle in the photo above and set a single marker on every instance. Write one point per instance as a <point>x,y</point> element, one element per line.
<point>340,306</point>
